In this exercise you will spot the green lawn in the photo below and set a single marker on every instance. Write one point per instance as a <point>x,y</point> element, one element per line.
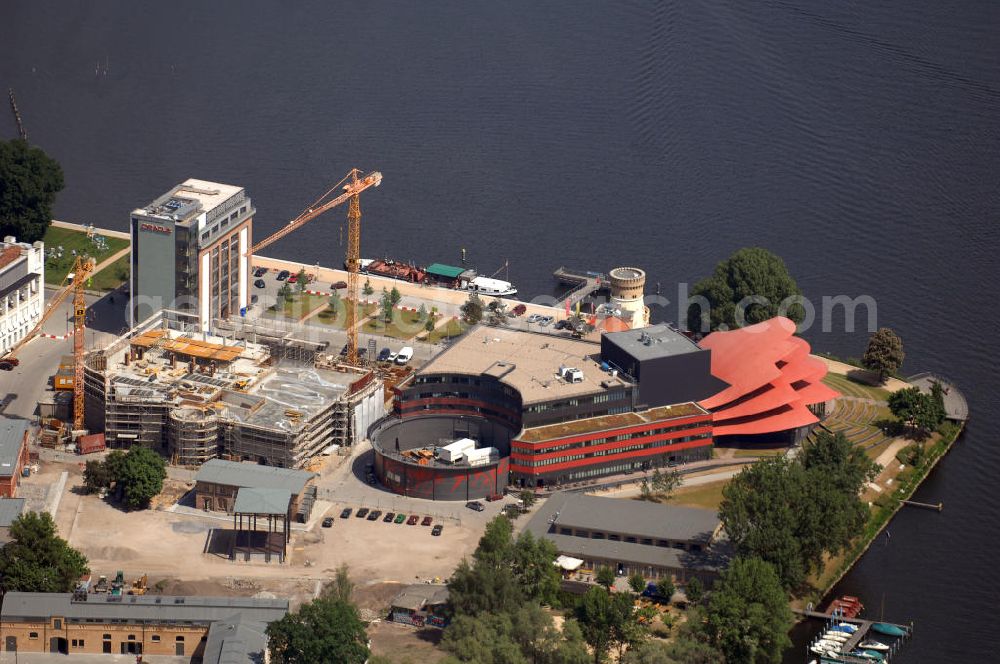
<point>707,496</point>
<point>404,325</point>
<point>852,388</point>
<point>57,268</point>
<point>337,318</point>
<point>298,305</point>
<point>112,276</point>
<point>452,328</point>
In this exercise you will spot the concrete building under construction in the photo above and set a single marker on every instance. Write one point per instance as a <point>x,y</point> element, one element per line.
<point>266,397</point>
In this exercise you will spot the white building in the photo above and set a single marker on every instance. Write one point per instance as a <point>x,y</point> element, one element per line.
<point>22,289</point>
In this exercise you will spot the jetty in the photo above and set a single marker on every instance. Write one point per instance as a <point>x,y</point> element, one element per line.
<point>864,632</point>
<point>583,283</point>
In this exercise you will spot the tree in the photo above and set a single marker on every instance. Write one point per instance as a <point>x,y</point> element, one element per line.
<point>496,312</point>
<point>845,464</point>
<point>527,497</point>
<point>754,273</point>
<point>532,560</point>
<point>884,354</point>
<point>693,590</point>
<point>923,412</point>
<point>645,492</point>
<point>665,483</point>
<point>395,296</point>
<point>472,310</point>
<point>301,280</point>
<point>285,291</point>
<point>341,588</point>
<point>606,577</point>
<point>607,620</point>
<point>96,475</point>
<point>385,305</point>
<point>37,560</point>
<point>324,630</point>
<point>748,614</point>
<point>367,288</point>
<point>140,477</point>
<point>334,301</point>
<point>637,582</point>
<point>29,182</point>
<point>665,588</point>
<point>681,650</point>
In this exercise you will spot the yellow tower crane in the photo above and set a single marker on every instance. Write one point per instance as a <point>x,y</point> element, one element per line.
<point>82,269</point>
<point>353,184</point>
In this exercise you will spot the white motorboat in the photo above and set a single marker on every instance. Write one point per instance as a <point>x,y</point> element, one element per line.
<point>836,636</point>
<point>851,628</point>
<point>874,645</point>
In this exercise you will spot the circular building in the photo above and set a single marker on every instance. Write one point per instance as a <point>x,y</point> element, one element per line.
<point>442,457</point>
<point>627,287</point>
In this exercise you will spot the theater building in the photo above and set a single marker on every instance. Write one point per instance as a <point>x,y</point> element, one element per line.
<point>576,409</point>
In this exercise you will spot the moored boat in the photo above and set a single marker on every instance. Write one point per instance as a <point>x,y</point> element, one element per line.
<point>888,629</point>
<point>873,645</point>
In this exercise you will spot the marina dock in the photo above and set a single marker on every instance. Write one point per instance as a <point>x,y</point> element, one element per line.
<point>863,633</point>
<point>584,283</point>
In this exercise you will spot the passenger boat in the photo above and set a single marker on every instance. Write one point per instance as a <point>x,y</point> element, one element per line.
<point>888,629</point>
<point>874,645</point>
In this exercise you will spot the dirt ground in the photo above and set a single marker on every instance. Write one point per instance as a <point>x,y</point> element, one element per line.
<point>170,546</point>
<point>404,644</point>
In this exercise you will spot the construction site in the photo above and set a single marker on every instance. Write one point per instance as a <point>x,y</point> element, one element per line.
<point>277,400</point>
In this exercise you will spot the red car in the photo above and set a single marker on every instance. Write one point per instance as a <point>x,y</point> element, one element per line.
<point>427,521</point>
<point>293,278</point>
<point>519,310</point>
<point>412,521</point>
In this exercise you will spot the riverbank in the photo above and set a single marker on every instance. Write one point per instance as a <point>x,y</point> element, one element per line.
<point>882,514</point>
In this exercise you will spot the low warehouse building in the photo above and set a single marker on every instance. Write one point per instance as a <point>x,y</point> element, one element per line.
<point>630,536</point>
<point>218,481</point>
<point>84,623</point>
<point>420,604</point>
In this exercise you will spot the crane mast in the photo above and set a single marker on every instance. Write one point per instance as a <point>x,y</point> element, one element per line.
<point>353,276</point>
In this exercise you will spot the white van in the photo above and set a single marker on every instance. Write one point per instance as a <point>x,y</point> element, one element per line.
<point>404,355</point>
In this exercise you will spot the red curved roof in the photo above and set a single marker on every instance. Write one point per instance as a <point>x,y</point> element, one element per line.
<point>772,379</point>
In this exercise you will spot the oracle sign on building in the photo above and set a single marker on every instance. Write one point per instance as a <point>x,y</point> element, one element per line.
<point>156,228</point>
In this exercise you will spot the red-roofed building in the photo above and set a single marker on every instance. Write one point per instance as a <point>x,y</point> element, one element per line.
<point>775,387</point>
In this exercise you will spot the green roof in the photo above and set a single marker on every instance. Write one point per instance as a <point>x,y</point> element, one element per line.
<point>441,270</point>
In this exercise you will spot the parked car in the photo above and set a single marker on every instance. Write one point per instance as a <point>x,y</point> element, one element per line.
<point>475,505</point>
<point>259,283</point>
<point>404,355</point>
<point>260,272</point>
<point>283,275</point>
<point>533,318</point>
<point>392,357</point>
<point>545,320</point>
<point>293,279</point>
<point>254,298</point>
<point>346,513</point>
<point>400,518</point>
<point>436,530</point>
<point>362,513</point>
<point>493,497</point>
<point>412,521</point>
<point>383,355</point>
<point>328,522</point>
<point>518,310</point>
<point>389,516</point>
<point>426,521</point>
<point>373,516</point>
<point>337,285</point>
<point>563,325</point>
<point>370,478</point>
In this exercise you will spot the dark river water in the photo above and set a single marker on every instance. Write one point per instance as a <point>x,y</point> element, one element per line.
<point>858,140</point>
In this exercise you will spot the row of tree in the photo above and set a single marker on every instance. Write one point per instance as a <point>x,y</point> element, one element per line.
<point>133,477</point>
<point>791,513</point>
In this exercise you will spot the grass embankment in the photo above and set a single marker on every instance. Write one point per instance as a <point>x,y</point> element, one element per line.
<point>405,324</point>
<point>453,328</point>
<point>297,306</point>
<point>707,496</point>
<point>112,276</point>
<point>56,269</point>
<point>885,508</point>
<point>338,317</point>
